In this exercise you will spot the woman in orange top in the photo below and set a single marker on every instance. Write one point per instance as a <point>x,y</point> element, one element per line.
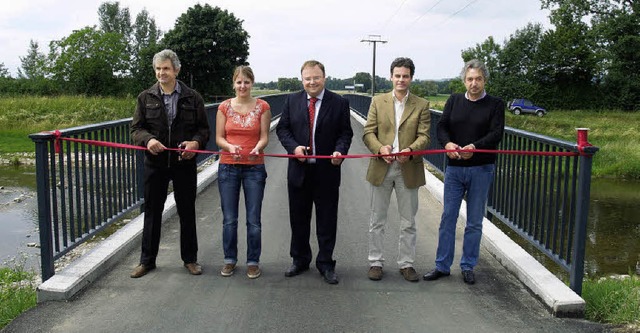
<point>242,129</point>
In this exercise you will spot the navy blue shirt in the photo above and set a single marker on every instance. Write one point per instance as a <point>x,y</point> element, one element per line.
<point>480,123</point>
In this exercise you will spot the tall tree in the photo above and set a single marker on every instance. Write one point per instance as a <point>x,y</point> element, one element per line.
<point>519,63</point>
<point>4,72</point>
<point>146,36</point>
<point>615,31</point>
<point>87,61</point>
<point>115,19</point>
<point>210,43</point>
<point>34,64</point>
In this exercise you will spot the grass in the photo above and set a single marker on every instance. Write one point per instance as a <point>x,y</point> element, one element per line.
<point>615,133</point>
<point>613,300</point>
<point>23,115</point>
<point>17,291</point>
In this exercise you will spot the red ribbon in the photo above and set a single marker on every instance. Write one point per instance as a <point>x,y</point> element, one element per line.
<point>418,152</point>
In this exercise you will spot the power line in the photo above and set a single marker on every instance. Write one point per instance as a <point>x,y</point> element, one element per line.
<point>425,13</point>
<point>461,9</point>
<point>384,27</point>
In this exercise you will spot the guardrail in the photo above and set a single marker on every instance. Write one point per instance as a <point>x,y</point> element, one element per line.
<point>544,199</point>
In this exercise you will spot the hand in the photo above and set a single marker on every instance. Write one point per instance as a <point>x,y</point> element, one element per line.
<point>452,154</point>
<point>155,147</point>
<point>189,145</point>
<point>301,151</point>
<point>235,151</point>
<point>336,160</point>
<point>467,155</point>
<point>254,153</point>
<point>404,158</point>
<point>386,150</point>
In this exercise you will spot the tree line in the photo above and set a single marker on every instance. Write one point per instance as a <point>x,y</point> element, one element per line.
<point>589,60</point>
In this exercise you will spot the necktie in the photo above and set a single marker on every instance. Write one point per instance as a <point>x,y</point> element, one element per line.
<point>312,115</point>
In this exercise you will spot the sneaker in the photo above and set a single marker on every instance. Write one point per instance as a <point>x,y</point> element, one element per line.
<point>410,274</point>
<point>228,269</point>
<point>375,273</point>
<point>253,271</point>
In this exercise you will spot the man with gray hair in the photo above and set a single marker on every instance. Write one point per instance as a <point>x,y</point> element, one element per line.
<point>473,120</point>
<point>169,115</point>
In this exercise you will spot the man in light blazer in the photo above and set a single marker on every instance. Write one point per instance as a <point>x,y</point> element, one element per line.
<point>397,122</point>
<point>325,131</point>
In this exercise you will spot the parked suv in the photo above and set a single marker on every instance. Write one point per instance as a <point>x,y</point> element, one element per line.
<point>521,105</point>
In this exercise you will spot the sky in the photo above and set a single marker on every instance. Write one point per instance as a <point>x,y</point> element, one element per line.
<point>285,33</point>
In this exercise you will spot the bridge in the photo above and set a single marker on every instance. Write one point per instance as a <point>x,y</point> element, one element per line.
<point>513,293</point>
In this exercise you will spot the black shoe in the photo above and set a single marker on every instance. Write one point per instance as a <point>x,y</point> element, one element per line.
<point>434,275</point>
<point>142,270</point>
<point>468,276</point>
<point>330,276</point>
<point>295,270</point>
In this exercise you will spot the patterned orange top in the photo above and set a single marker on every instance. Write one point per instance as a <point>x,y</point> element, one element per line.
<point>243,130</point>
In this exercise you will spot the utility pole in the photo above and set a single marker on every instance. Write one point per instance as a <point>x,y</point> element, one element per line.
<point>374,39</point>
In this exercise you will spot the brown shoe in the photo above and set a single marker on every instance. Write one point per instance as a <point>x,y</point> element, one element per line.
<point>410,274</point>
<point>375,273</point>
<point>194,268</point>
<point>253,271</point>
<point>141,270</point>
<point>228,269</point>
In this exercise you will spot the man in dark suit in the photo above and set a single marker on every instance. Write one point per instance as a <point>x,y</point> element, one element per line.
<point>315,122</point>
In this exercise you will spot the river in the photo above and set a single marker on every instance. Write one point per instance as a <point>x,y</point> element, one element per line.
<point>613,232</point>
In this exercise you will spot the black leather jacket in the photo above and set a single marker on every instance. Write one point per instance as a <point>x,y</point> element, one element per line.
<point>150,122</point>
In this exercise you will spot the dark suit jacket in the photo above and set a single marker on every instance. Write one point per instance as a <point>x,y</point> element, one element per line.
<point>333,133</point>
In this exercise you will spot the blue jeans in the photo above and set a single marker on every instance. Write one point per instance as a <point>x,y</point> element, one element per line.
<point>475,183</point>
<point>252,178</point>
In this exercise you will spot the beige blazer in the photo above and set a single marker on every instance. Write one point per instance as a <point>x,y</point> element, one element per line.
<point>413,133</point>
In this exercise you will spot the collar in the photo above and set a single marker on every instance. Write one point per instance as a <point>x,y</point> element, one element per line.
<point>320,95</point>
<point>484,94</point>
<point>177,89</point>
<point>404,99</point>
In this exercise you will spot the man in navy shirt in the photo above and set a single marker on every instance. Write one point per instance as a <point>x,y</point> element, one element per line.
<point>473,120</point>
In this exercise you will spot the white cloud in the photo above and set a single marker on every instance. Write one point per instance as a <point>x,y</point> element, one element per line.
<point>285,33</point>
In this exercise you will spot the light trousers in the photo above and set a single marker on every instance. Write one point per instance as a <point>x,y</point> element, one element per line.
<point>407,208</point>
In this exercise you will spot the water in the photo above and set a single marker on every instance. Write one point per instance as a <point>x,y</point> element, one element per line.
<point>612,246</point>
<point>613,232</point>
<point>19,216</point>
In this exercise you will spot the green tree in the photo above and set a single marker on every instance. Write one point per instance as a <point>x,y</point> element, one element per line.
<point>519,61</point>
<point>112,18</point>
<point>146,36</point>
<point>210,43</point>
<point>87,61</point>
<point>365,79</point>
<point>34,65</point>
<point>4,71</point>
<point>456,86</point>
<point>613,28</point>
<point>289,84</point>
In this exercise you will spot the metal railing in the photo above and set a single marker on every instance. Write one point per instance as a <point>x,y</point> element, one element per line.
<point>544,199</point>
<point>83,189</point>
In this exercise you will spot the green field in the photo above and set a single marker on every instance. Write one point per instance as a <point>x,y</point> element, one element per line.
<point>615,133</point>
